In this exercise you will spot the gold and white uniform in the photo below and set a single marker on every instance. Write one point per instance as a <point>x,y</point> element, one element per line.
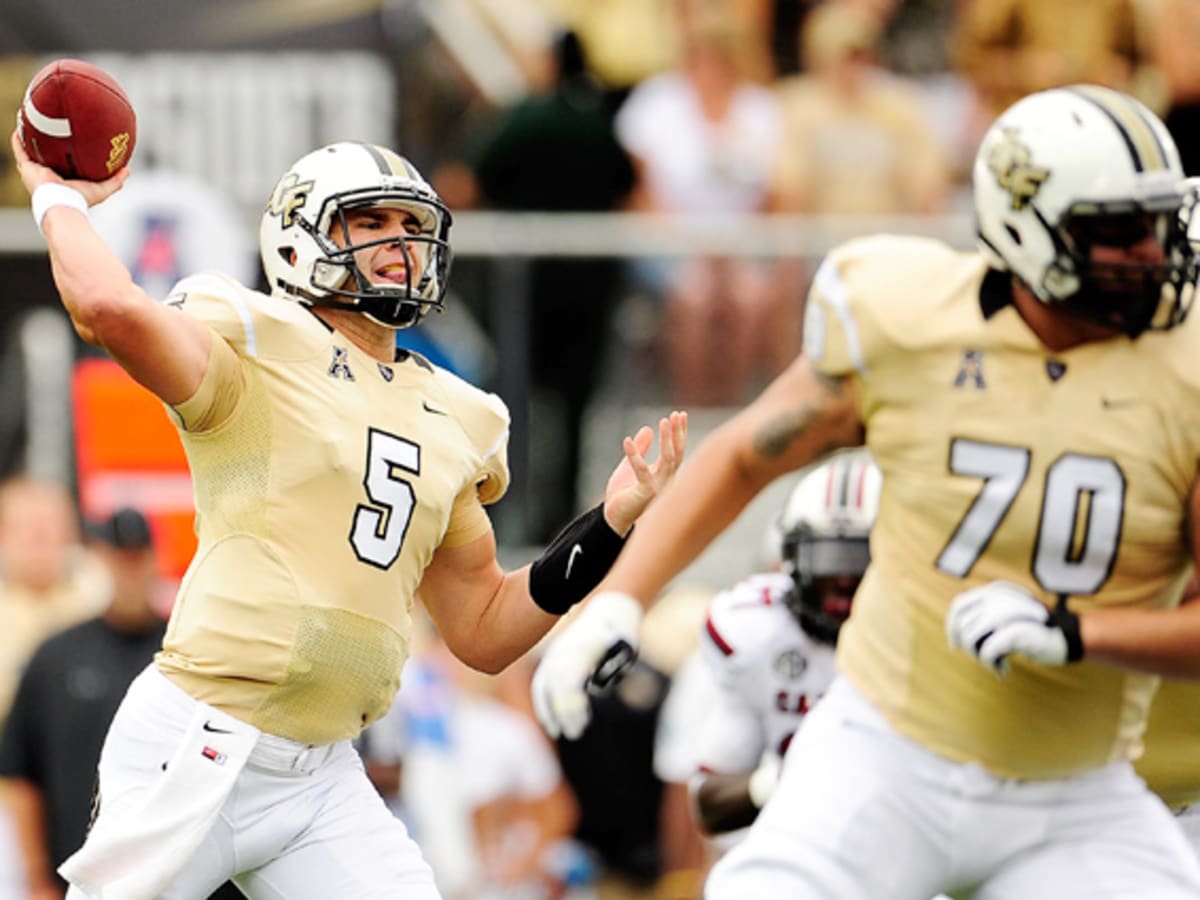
<point>1066,473</point>
<point>921,771</point>
<point>324,481</point>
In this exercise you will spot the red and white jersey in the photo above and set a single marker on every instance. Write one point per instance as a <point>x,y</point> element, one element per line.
<point>768,674</point>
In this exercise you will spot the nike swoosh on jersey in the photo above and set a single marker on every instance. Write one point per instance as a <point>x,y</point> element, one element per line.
<point>429,409</point>
<point>208,726</point>
<point>1120,402</point>
<point>575,551</point>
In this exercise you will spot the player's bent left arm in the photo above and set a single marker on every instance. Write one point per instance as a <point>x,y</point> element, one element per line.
<point>489,618</point>
<point>484,615</point>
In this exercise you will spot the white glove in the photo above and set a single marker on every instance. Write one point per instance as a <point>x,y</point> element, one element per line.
<point>763,779</point>
<point>591,652</point>
<point>999,618</point>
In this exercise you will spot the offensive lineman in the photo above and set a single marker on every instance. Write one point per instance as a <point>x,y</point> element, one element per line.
<point>1034,408</point>
<point>335,478</point>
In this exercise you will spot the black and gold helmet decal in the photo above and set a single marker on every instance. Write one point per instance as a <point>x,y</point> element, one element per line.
<point>1011,163</point>
<point>391,163</point>
<point>1146,150</point>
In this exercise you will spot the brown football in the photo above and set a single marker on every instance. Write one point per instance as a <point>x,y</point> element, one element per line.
<point>76,119</point>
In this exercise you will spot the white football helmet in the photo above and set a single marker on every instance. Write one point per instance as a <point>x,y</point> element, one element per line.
<point>826,525</point>
<point>1066,169</point>
<point>302,262</point>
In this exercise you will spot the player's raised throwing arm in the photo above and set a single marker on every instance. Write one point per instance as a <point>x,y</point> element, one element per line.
<point>166,352</point>
<point>800,417</point>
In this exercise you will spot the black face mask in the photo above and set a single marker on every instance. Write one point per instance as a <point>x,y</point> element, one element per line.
<point>1128,296</point>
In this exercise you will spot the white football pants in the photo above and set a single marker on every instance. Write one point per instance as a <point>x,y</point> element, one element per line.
<point>861,813</point>
<point>1189,820</point>
<point>300,822</point>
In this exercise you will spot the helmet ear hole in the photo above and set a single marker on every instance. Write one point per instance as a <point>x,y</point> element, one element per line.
<point>1014,234</point>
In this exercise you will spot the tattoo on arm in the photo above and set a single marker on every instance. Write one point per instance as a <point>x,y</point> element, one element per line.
<point>777,435</point>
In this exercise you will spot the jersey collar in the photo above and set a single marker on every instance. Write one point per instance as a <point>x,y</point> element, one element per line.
<point>995,292</point>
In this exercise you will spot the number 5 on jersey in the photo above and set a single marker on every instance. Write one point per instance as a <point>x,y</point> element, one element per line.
<point>378,530</point>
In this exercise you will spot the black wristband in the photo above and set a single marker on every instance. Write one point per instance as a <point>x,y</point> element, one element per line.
<point>1068,623</point>
<point>574,563</point>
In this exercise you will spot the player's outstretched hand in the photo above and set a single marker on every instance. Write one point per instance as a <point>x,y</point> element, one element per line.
<point>636,481</point>
<point>997,619</point>
<point>33,175</point>
<point>593,648</point>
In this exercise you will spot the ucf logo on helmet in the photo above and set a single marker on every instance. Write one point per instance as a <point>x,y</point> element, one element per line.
<point>1010,162</point>
<point>289,196</point>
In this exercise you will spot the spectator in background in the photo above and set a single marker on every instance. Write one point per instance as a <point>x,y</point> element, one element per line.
<point>1176,36</point>
<point>1009,48</point>
<point>702,137</point>
<point>555,151</point>
<point>855,140</point>
<point>627,41</point>
<point>66,698</point>
<point>47,580</point>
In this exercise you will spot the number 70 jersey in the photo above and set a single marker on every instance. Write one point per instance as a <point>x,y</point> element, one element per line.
<point>1065,472</point>
<point>325,480</point>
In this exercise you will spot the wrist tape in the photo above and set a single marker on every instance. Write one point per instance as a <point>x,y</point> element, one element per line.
<point>574,563</point>
<point>1068,623</point>
<point>51,194</point>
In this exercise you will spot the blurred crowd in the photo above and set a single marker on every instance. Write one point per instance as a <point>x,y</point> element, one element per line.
<point>719,110</point>
<point>710,109</point>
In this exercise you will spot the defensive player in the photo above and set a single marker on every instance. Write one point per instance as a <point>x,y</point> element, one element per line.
<point>769,640</point>
<point>335,479</point>
<point>1030,405</point>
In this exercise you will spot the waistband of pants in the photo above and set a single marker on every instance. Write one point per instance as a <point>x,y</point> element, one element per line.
<point>271,752</point>
<point>281,756</point>
<point>967,778</point>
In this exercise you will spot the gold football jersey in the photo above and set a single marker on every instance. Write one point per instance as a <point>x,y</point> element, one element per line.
<point>324,482</point>
<point>1171,763</point>
<point>1066,473</point>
